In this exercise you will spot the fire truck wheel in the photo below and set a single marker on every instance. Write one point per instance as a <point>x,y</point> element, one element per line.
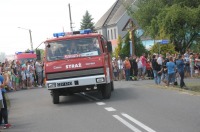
<point>112,86</point>
<point>106,91</point>
<point>55,95</point>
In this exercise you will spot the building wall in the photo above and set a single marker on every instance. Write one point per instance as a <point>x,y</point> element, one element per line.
<point>121,23</point>
<point>102,31</point>
<point>112,32</point>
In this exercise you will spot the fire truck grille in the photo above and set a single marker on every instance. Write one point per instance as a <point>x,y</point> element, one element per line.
<point>72,74</point>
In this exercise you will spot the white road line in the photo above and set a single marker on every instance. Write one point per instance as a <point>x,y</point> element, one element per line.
<point>126,123</point>
<point>110,109</point>
<point>138,123</point>
<point>101,103</point>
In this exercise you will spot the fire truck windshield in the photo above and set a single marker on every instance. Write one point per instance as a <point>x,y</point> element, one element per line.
<point>66,49</point>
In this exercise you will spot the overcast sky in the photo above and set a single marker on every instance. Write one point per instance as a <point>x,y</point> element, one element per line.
<point>43,17</point>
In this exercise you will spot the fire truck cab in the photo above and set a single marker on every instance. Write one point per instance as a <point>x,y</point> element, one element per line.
<point>77,62</point>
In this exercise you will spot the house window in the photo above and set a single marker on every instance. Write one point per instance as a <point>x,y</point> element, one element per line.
<point>111,34</point>
<point>108,35</point>
<point>115,34</point>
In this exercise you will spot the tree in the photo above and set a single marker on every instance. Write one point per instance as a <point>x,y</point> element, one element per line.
<point>140,49</point>
<point>166,48</point>
<point>181,24</point>
<point>195,47</point>
<point>87,22</point>
<point>42,52</point>
<point>125,51</point>
<point>119,47</point>
<point>176,20</point>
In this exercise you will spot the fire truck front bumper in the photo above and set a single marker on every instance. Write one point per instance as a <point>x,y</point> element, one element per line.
<point>76,82</point>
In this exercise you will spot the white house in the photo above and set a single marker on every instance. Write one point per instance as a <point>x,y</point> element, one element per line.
<point>114,21</point>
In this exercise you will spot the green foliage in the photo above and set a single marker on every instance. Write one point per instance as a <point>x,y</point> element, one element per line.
<point>125,51</point>
<point>195,48</point>
<point>140,49</point>
<point>147,14</point>
<point>119,47</point>
<point>87,22</point>
<point>166,48</point>
<point>176,20</point>
<point>181,24</point>
<point>41,53</point>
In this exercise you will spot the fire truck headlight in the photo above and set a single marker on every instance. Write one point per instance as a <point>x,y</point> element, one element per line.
<point>99,80</point>
<point>51,85</point>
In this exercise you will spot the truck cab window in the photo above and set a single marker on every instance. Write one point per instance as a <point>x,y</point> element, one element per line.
<point>73,48</point>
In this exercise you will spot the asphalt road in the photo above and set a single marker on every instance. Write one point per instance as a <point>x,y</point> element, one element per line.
<point>135,106</point>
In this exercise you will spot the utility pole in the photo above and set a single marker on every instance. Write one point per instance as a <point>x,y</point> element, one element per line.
<point>29,30</point>
<point>70,18</point>
<point>132,30</point>
<point>31,39</point>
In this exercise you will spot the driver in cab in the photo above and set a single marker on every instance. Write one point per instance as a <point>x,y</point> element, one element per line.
<point>73,48</point>
<point>93,46</point>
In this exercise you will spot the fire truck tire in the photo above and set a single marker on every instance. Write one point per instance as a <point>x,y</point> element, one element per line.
<point>55,96</point>
<point>112,86</point>
<point>106,91</point>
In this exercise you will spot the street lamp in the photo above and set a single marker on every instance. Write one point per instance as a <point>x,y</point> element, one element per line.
<point>29,30</point>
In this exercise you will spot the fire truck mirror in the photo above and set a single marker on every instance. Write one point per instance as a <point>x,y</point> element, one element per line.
<point>38,54</point>
<point>109,45</point>
<point>48,45</point>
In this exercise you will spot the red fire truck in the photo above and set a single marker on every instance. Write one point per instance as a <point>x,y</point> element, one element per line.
<point>77,62</point>
<point>25,56</point>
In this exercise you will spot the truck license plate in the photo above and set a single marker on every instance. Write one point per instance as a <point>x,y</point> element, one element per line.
<point>64,84</point>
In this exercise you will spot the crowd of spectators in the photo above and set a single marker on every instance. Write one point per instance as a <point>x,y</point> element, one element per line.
<point>14,76</point>
<point>22,75</point>
<point>167,69</point>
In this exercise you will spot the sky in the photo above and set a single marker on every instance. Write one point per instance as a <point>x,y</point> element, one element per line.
<point>43,18</point>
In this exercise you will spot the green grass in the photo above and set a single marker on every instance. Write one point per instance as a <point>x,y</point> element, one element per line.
<point>194,86</point>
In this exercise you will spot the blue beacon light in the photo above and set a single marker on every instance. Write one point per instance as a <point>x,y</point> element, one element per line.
<point>85,31</point>
<point>24,52</point>
<point>59,34</point>
<point>18,53</point>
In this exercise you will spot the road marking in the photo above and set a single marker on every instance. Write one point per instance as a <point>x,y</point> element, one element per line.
<point>138,123</point>
<point>110,109</point>
<point>101,103</point>
<point>126,123</point>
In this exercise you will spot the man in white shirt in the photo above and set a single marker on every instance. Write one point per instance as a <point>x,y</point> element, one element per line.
<point>160,59</point>
<point>187,63</point>
<point>39,70</point>
<point>120,66</point>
